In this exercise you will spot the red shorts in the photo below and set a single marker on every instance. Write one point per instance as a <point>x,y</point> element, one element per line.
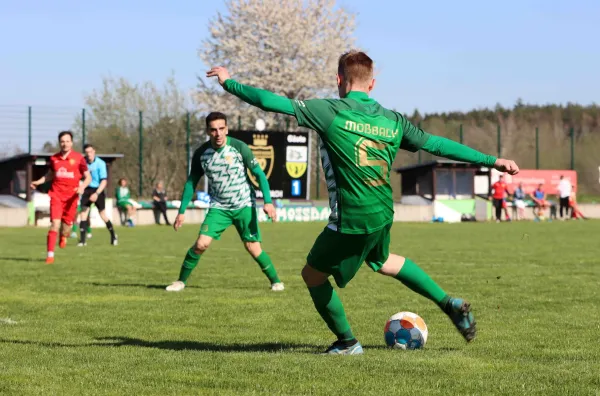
<point>64,209</point>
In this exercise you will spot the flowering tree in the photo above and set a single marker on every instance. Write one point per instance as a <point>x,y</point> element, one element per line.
<point>290,47</point>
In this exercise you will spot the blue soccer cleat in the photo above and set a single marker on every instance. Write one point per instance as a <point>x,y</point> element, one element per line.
<point>460,313</point>
<point>341,348</point>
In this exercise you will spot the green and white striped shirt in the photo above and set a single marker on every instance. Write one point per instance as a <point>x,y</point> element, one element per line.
<point>226,169</point>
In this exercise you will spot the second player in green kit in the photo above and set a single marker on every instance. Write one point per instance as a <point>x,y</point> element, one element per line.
<point>359,140</point>
<point>225,162</point>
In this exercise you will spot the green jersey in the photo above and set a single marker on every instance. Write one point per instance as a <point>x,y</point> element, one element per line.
<point>226,170</point>
<point>359,141</point>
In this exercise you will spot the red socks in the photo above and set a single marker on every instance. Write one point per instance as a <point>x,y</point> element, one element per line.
<point>52,235</point>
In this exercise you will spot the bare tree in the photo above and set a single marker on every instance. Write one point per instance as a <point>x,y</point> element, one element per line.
<point>290,47</point>
<point>10,150</point>
<point>113,126</point>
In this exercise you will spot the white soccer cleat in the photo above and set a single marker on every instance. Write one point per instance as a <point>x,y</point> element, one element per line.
<point>176,286</point>
<point>277,286</point>
<point>80,244</point>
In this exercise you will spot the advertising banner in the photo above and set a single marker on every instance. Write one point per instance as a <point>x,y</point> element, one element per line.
<point>284,157</point>
<point>531,178</point>
<point>298,213</point>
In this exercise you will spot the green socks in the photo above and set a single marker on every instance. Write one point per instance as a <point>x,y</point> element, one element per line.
<point>330,308</point>
<point>264,261</point>
<point>189,263</point>
<point>412,276</point>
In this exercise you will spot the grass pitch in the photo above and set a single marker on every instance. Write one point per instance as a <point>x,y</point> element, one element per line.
<point>98,321</point>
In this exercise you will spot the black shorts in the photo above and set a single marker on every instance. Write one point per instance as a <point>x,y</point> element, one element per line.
<point>498,203</point>
<point>85,199</point>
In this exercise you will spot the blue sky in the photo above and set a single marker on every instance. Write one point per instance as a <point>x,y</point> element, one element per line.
<point>431,55</point>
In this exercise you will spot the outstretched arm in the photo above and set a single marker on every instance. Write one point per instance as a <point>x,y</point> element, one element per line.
<point>260,98</point>
<point>316,114</point>
<point>450,149</point>
<point>263,99</point>
<point>415,139</point>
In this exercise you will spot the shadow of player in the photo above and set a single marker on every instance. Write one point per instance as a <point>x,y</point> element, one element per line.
<point>133,285</point>
<point>116,342</point>
<point>269,347</point>
<point>25,259</point>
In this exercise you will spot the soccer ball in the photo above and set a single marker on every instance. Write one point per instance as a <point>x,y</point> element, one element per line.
<point>405,330</point>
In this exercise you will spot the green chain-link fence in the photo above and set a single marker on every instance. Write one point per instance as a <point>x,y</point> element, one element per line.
<point>159,147</point>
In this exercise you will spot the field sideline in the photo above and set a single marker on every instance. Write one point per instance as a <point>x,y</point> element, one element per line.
<point>98,321</point>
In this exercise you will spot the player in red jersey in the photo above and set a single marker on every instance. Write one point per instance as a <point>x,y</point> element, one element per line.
<point>500,190</point>
<point>67,168</point>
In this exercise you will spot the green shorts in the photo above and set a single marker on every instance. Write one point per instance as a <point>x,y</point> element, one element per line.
<point>245,221</point>
<point>341,255</point>
<point>124,204</point>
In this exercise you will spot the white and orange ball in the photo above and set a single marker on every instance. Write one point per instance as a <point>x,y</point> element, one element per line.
<point>405,330</point>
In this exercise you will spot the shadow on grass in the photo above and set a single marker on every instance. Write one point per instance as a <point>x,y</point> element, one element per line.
<point>269,347</point>
<point>25,259</point>
<point>133,285</point>
<point>115,342</point>
<point>201,346</point>
<point>43,343</point>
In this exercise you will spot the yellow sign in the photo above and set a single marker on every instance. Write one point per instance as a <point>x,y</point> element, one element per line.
<point>295,169</point>
<point>265,156</point>
<point>296,160</point>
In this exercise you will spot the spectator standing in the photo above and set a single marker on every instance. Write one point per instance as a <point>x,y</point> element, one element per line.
<point>159,198</point>
<point>564,193</point>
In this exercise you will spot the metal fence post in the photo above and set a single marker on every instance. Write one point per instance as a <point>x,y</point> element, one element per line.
<point>141,157</point>
<point>572,132</point>
<point>537,148</point>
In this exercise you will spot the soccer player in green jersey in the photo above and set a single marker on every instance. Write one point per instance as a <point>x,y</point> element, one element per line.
<point>359,141</point>
<point>225,161</point>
